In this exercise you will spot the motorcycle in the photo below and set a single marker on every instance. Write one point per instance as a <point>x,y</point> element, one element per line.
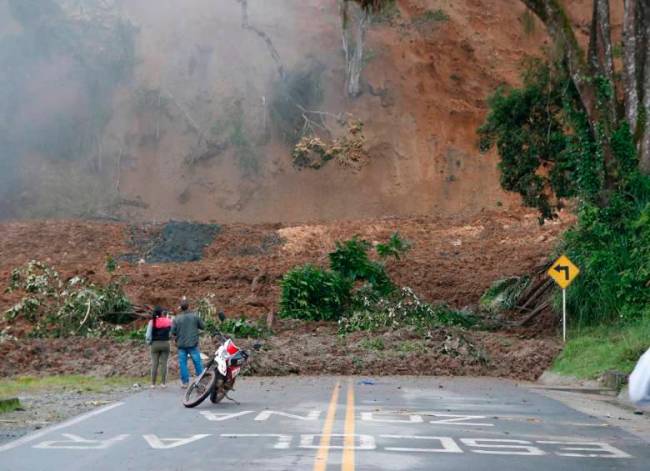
<point>219,375</point>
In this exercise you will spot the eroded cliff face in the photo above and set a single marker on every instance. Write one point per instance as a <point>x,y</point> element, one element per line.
<point>192,137</point>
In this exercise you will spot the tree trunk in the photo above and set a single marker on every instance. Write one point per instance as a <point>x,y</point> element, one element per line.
<point>644,139</point>
<point>558,24</point>
<point>601,56</point>
<point>354,21</point>
<point>630,79</point>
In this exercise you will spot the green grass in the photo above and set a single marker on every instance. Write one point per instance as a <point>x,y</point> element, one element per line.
<point>30,384</point>
<point>591,352</point>
<point>9,405</point>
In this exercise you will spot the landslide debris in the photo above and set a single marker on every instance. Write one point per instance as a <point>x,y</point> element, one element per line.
<point>452,260</point>
<point>176,241</point>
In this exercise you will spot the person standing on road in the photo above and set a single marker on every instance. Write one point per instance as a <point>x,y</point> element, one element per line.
<point>185,330</point>
<point>158,335</point>
<point>640,381</point>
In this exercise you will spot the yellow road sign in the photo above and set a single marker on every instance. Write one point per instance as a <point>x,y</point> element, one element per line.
<point>563,271</point>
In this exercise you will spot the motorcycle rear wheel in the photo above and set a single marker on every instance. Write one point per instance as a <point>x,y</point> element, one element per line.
<point>201,388</point>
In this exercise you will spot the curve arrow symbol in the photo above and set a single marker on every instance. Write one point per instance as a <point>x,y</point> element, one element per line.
<point>563,268</point>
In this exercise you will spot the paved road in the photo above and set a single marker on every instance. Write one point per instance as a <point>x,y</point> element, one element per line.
<point>330,423</point>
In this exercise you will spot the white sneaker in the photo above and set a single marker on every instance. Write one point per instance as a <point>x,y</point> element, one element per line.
<point>153,386</point>
<point>163,385</point>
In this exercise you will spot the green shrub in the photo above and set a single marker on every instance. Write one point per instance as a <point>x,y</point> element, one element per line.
<point>395,247</point>
<point>612,252</point>
<point>312,293</point>
<point>350,259</point>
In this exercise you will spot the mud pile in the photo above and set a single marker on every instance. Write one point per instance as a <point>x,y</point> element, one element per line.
<point>176,241</point>
<point>305,349</point>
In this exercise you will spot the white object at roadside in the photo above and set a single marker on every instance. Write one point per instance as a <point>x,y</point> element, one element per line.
<point>640,381</point>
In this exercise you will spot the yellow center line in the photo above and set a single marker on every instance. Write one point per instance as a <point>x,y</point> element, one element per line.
<point>348,447</point>
<point>323,451</point>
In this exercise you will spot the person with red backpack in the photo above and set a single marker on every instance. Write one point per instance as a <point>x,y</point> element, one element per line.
<point>158,337</point>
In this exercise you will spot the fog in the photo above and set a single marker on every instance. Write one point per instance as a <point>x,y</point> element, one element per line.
<point>110,106</point>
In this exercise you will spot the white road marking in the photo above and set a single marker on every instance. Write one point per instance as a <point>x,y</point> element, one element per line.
<point>75,442</point>
<point>166,443</point>
<point>487,446</point>
<point>283,443</point>
<point>264,415</point>
<point>495,449</point>
<point>366,442</point>
<point>221,416</point>
<point>68,423</point>
<point>457,419</point>
<point>447,443</point>
<point>610,451</point>
<point>376,417</point>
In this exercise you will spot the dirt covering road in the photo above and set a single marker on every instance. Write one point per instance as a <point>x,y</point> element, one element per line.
<point>306,349</point>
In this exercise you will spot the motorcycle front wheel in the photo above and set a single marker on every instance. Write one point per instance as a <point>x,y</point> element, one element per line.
<point>218,392</point>
<point>200,388</point>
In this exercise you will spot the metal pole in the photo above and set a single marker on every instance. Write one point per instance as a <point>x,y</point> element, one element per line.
<point>564,314</point>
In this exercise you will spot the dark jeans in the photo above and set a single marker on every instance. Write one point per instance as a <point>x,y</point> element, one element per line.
<point>182,362</point>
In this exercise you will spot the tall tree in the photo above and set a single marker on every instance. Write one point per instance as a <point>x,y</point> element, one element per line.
<point>594,76</point>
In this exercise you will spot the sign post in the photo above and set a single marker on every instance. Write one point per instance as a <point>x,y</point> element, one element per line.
<point>564,315</point>
<point>563,272</point>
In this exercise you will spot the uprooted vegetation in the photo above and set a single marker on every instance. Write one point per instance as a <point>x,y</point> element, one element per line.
<point>348,149</point>
<point>61,308</point>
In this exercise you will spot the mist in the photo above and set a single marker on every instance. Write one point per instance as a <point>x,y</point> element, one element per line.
<point>114,108</point>
<point>195,110</point>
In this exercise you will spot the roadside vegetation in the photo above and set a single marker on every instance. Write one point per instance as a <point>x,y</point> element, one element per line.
<point>578,129</point>
<point>31,384</point>
<point>9,405</point>
<point>590,352</point>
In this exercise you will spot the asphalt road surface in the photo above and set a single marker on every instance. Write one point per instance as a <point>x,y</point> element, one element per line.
<point>329,423</point>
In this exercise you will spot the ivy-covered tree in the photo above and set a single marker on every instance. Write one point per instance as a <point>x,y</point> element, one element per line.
<point>591,116</point>
<point>593,74</point>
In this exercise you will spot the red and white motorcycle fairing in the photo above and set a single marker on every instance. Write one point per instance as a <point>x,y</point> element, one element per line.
<point>223,354</point>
